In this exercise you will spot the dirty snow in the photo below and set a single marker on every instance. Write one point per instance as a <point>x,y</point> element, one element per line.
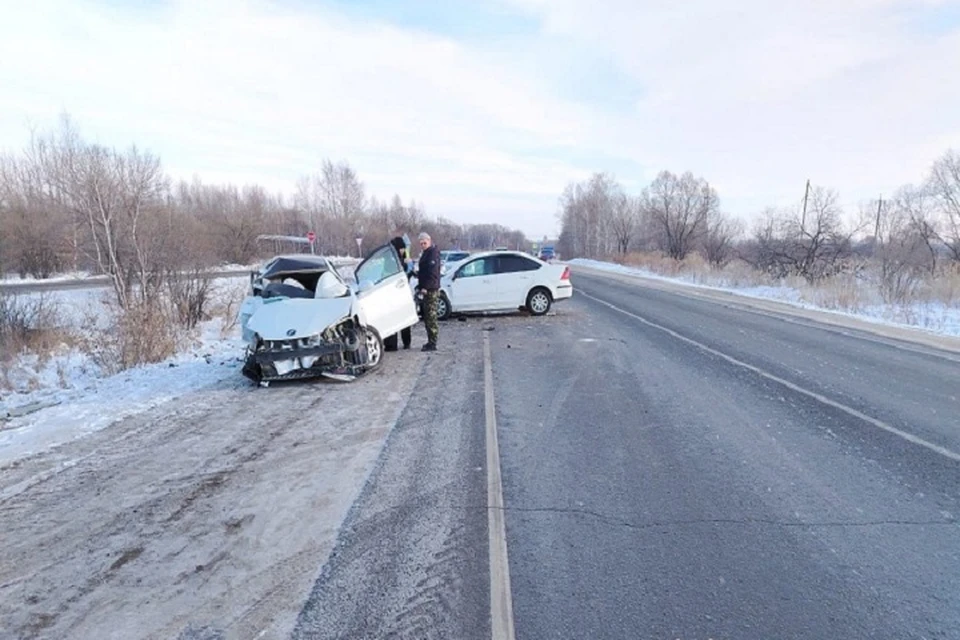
<point>66,396</point>
<point>208,517</point>
<point>44,403</point>
<point>931,317</point>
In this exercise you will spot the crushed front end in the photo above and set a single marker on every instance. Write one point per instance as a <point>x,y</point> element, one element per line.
<point>341,351</point>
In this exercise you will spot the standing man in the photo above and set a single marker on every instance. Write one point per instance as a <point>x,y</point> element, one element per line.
<point>429,282</point>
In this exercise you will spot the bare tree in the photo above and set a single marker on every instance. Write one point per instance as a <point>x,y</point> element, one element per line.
<point>31,227</point>
<point>586,216</point>
<point>718,242</point>
<point>334,203</point>
<point>901,246</point>
<point>944,184</point>
<point>920,206</point>
<point>624,221</point>
<point>679,209</point>
<point>813,247</point>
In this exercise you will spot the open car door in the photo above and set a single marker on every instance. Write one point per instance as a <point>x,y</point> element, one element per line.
<point>383,292</point>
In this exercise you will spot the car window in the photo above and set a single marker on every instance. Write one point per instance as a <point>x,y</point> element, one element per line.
<point>381,264</point>
<point>511,264</point>
<point>479,267</point>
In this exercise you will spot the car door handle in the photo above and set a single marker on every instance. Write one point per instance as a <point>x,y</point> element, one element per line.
<point>400,284</point>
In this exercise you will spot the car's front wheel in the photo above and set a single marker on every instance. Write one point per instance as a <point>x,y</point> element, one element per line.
<point>374,345</point>
<point>444,310</point>
<point>539,301</point>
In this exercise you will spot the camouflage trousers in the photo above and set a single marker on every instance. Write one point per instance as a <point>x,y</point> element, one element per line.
<point>428,309</point>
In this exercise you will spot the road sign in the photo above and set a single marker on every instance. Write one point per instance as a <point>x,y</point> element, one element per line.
<point>311,236</point>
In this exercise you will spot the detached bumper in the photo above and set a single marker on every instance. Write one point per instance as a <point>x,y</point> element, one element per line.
<point>297,363</point>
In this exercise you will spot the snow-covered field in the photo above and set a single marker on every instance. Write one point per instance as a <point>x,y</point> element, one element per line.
<point>79,398</point>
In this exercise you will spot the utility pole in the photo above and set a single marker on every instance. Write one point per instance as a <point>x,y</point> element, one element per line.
<point>876,230</point>
<point>803,217</point>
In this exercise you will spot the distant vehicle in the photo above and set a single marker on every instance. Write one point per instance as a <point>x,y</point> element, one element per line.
<point>502,281</point>
<point>547,254</point>
<point>502,249</point>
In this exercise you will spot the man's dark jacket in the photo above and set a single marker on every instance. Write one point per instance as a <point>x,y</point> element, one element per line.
<point>429,267</point>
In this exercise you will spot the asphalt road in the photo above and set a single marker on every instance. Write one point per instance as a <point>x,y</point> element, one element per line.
<point>672,468</point>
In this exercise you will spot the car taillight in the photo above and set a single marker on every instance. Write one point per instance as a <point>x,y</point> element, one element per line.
<point>566,273</point>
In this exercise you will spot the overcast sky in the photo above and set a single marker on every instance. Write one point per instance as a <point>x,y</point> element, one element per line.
<point>484,111</point>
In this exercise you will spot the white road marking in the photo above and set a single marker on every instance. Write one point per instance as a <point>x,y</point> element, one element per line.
<point>909,437</point>
<point>501,599</point>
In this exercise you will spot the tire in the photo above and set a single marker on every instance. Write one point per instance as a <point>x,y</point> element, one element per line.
<point>443,307</point>
<point>539,301</point>
<point>374,349</point>
<point>390,343</point>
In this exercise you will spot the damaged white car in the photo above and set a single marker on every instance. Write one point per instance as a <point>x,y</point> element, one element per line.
<point>304,319</point>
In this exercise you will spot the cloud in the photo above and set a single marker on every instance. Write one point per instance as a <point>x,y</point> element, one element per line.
<point>263,92</point>
<point>755,96</point>
<point>758,96</point>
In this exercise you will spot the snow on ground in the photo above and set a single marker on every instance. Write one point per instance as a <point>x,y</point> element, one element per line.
<point>89,402</point>
<point>44,403</point>
<point>929,316</point>
<point>207,517</point>
<point>67,395</point>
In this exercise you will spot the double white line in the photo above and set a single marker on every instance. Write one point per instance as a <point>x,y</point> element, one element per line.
<point>501,599</point>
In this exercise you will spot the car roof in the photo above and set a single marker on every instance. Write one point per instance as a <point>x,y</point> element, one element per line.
<point>483,254</point>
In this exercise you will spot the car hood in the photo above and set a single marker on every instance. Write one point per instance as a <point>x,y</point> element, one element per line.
<point>288,318</point>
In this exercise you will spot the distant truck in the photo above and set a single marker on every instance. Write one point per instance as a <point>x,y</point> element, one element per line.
<point>547,253</point>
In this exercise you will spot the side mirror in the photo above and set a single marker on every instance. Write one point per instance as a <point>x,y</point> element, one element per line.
<point>366,285</point>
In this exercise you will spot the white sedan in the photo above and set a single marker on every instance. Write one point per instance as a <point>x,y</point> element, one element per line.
<point>502,281</point>
<point>304,319</point>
